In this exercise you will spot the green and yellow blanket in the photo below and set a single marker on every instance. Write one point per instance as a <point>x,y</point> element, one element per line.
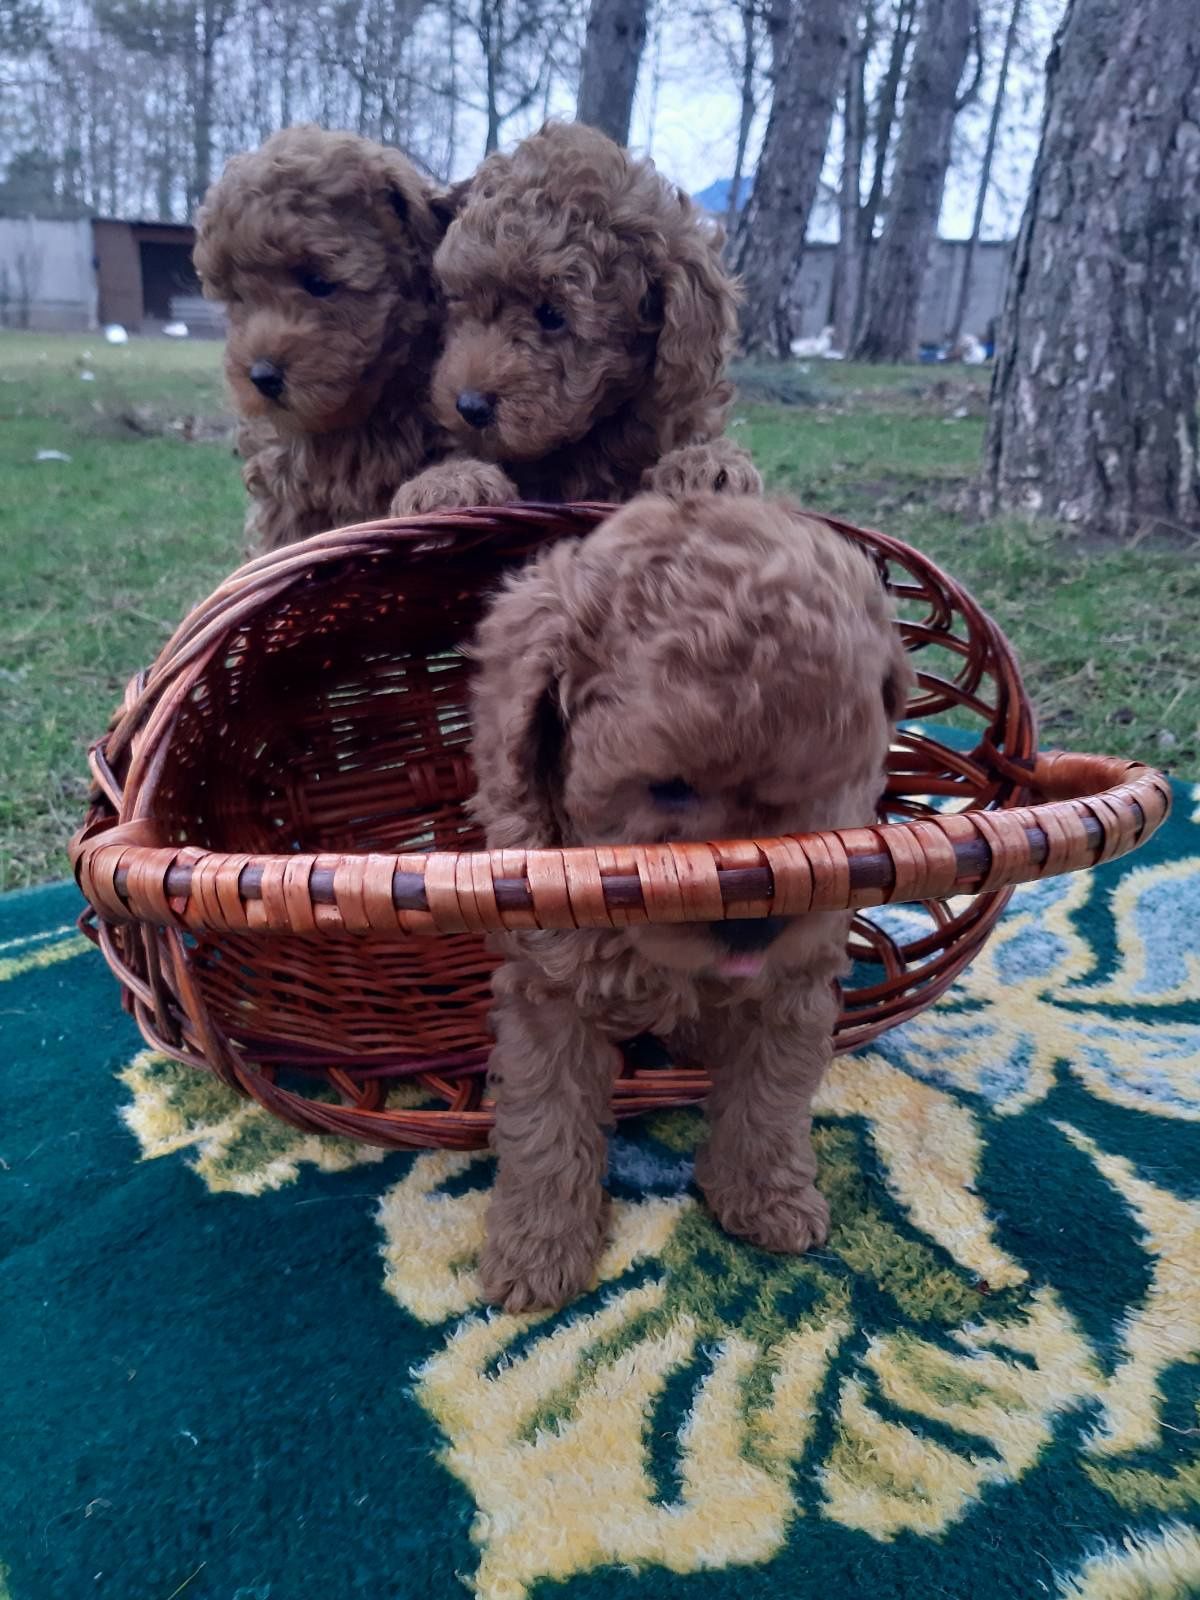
<point>243,1364</point>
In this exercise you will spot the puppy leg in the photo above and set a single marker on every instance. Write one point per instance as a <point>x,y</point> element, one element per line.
<point>551,1073</point>
<point>268,524</point>
<point>758,1168</point>
<point>721,467</point>
<point>457,481</point>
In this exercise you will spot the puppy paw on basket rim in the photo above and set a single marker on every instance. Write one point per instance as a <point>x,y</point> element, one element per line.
<point>316,701</point>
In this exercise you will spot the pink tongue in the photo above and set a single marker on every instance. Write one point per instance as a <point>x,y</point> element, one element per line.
<point>741,966</point>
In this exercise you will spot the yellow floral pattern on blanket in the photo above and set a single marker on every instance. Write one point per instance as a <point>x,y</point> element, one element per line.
<point>706,1397</point>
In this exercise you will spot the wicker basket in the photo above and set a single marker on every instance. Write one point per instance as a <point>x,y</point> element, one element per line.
<point>277,827</point>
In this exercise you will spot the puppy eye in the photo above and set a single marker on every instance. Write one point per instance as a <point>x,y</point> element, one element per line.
<point>550,317</point>
<point>320,288</point>
<point>673,794</point>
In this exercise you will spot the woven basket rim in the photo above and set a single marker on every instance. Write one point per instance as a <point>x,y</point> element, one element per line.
<point>1094,808</point>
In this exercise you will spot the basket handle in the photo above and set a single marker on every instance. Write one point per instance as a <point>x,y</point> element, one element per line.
<point>1090,809</point>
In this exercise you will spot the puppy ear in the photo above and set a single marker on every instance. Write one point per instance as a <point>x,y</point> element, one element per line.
<point>406,195</point>
<point>519,695</point>
<point>447,203</point>
<point>698,302</point>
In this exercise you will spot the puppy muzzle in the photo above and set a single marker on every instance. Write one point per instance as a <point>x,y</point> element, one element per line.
<point>744,935</point>
<point>744,943</point>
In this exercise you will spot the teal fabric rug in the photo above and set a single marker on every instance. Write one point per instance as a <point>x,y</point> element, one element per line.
<point>243,1364</point>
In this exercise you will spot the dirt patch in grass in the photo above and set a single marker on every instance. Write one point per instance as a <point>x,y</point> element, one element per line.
<point>781,384</point>
<point>153,422</point>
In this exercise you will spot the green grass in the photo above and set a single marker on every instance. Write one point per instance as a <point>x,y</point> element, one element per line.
<point>106,551</point>
<point>102,555</point>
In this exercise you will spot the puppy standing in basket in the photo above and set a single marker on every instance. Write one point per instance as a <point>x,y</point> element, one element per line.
<point>720,668</point>
<point>321,246</point>
<point>589,322</point>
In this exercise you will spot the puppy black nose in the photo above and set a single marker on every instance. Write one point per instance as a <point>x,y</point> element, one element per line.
<point>745,934</point>
<point>267,378</point>
<point>475,408</point>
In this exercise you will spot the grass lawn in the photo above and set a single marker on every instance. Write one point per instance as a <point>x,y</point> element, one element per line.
<point>105,551</point>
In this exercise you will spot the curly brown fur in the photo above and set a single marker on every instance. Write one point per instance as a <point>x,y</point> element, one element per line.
<point>321,246</point>
<point>588,306</point>
<point>717,668</point>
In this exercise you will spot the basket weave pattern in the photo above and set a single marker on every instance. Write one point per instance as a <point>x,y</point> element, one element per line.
<point>277,831</point>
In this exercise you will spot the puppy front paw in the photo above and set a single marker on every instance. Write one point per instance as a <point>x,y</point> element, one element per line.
<point>526,1272</point>
<point>787,1220</point>
<point>452,485</point>
<point>717,468</point>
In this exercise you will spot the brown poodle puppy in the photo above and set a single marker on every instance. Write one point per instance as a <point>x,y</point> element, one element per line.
<point>589,325</point>
<point>321,246</point>
<point>719,668</point>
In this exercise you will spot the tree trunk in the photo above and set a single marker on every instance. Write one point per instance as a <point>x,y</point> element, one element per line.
<point>287,67</point>
<point>656,76</point>
<point>491,33</point>
<point>202,110</point>
<point>212,18</point>
<point>985,176</point>
<point>612,53</point>
<point>848,259</point>
<point>898,261</point>
<point>885,122</point>
<point>164,170</point>
<point>452,88</point>
<point>779,18</point>
<point>771,239</point>
<point>1093,409</point>
<point>746,119</point>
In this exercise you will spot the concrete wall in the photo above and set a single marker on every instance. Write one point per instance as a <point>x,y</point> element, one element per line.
<point>47,280</point>
<point>812,291</point>
<point>811,295</point>
<point>944,279</point>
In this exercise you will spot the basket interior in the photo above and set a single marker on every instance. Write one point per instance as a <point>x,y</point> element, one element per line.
<point>330,727</point>
<point>335,719</point>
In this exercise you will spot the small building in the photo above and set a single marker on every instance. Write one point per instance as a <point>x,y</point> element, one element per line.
<point>144,273</point>
<point>74,276</point>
